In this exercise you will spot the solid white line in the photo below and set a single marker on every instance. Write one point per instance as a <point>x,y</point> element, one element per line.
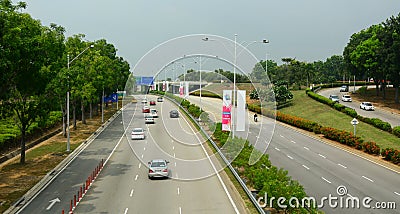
<point>136,177</point>
<point>290,157</point>
<point>140,165</point>
<point>306,167</point>
<point>178,191</point>
<point>130,195</point>
<point>293,141</point>
<point>126,211</point>
<point>321,156</point>
<point>342,166</point>
<point>306,148</point>
<point>326,180</point>
<point>215,170</point>
<point>397,193</point>
<point>369,179</point>
<point>277,149</point>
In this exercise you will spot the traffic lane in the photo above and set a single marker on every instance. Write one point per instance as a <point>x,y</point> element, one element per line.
<point>334,168</point>
<point>147,152</point>
<point>67,183</point>
<point>387,116</point>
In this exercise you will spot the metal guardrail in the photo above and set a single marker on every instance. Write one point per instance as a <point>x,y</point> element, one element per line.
<point>248,192</point>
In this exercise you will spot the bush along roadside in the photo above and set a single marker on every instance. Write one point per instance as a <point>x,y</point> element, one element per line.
<point>378,123</point>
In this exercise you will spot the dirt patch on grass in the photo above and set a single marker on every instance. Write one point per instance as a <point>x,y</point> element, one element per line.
<point>387,104</point>
<point>17,179</point>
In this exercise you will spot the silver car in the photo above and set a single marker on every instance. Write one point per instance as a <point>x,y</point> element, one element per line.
<point>158,168</point>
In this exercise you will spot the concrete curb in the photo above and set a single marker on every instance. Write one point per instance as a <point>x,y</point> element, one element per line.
<point>49,177</point>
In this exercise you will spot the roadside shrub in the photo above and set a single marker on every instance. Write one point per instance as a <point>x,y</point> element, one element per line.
<point>371,148</point>
<point>388,153</point>
<point>349,111</point>
<point>378,123</point>
<point>194,110</point>
<point>339,106</point>
<point>341,136</point>
<point>396,131</point>
<point>296,121</point>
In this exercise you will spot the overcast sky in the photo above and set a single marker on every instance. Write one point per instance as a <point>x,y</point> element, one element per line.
<point>308,30</point>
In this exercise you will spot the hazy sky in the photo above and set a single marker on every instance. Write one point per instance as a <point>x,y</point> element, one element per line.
<point>308,30</point>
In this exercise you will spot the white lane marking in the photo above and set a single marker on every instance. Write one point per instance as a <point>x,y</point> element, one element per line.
<point>306,148</point>
<point>174,154</point>
<point>293,141</point>
<point>144,148</point>
<point>277,149</point>
<point>281,135</point>
<point>178,191</point>
<point>290,157</point>
<point>306,167</point>
<point>321,156</point>
<point>175,163</point>
<point>180,210</point>
<point>369,179</point>
<point>130,195</point>
<point>215,170</point>
<point>140,165</point>
<point>142,156</point>
<point>397,193</point>
<point>126,211</point>
<point>136,177</point>
<point>326,180</point>
<point>173,147</point>
<point>342,165</point>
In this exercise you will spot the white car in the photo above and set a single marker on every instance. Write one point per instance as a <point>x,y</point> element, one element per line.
<point>138,134</point>
<point>158,168</point>
<point>144,101</point>
<point>346,98</point>
<point>148,119</point>
<point>334,98</point>
<point>367,106</point>
<point>153,113</point>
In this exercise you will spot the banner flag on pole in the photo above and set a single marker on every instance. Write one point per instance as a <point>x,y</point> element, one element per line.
<point>226,110</point>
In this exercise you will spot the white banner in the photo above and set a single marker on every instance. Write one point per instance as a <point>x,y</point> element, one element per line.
<point>226,110</point>
<point>167,86</point>
<point>241,110</point>
<point>186,89</point>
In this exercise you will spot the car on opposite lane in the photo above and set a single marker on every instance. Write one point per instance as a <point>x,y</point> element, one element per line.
<point>344,88</point>
<point>334,98</point>
<point>174,113</point>
<point>138,134</point>
<point>158,168</point>
<point>160,99</point>
<point>346,98</point>
<point>367,106</point>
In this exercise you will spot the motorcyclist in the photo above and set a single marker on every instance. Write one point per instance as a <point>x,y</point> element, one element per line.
<point>255,117</point>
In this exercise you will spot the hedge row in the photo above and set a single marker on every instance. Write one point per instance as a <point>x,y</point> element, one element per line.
<point>378,123</point>
<point>391,154</point>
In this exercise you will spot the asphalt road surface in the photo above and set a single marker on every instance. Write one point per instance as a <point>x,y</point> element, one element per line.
<point>321,168</point>
<point>387,116</point>
<point>123,186</point>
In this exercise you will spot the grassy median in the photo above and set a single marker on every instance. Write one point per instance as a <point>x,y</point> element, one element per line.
<point>307,108</point>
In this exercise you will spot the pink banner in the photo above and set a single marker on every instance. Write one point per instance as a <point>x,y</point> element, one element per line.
<point>226,110</point>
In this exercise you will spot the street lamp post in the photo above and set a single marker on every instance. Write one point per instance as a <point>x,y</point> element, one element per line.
<point>68,63</point>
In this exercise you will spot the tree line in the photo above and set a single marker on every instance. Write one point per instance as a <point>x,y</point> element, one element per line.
<point>374,53</point>
<point>38,65</point>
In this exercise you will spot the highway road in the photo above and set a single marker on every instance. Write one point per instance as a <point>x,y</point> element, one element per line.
<point>193,186</point>
<point>385,115</point>
<point>320,167</point>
